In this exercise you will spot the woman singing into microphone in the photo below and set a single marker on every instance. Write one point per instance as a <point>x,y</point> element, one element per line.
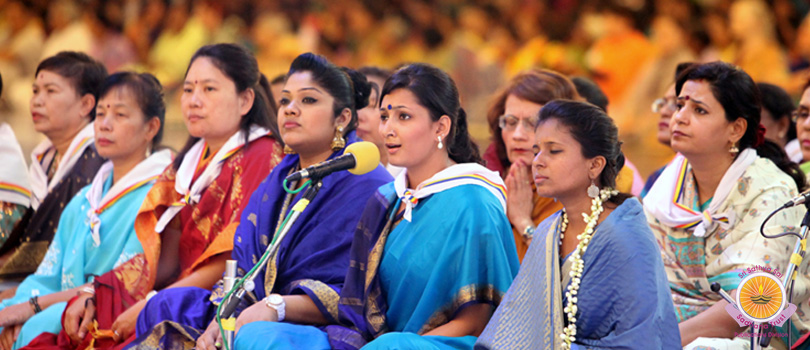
<point>317,117</point>
<point>433,252</point>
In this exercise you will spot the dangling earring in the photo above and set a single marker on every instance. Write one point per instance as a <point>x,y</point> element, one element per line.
<point>288,150</point>
<point>440,143</point>
<point>593,191</point>
<point>338,142</point>
<point>734,149</point>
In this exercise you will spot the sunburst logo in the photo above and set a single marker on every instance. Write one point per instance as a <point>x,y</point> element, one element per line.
<point>761,297</point>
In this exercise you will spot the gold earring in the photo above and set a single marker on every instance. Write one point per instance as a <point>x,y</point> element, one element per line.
<point>338,142</point>
<point>288,150</point>
<point>734,149</point>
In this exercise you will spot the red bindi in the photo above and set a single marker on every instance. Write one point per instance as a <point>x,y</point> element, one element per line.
<point>686,97</point>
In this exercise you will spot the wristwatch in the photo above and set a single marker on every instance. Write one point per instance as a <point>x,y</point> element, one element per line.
<point>528,232</point>
<point>276,302</point>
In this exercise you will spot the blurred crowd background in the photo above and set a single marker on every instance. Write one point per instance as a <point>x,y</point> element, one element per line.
<point>629,47</point>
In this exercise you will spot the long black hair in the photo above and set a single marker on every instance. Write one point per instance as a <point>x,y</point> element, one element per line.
<point>779,104</point>
<point>596,134</point>
<point>148,94</point>
<point>239,65</point>
<point>740,98</point>
<point>437,92</point>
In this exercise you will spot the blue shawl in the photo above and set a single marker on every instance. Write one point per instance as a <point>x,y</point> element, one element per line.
<point>623,299</point>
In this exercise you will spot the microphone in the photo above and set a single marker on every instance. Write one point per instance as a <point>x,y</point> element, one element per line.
<point>798,200</point>
<point>359,158</point>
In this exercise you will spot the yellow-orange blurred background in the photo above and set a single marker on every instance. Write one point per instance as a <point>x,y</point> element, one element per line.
<point>629,47</point>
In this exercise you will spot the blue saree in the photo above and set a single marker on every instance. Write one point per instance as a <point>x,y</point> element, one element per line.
<point>312,259</point>
<point>458,250</point>
<point>83,248</point>
<point>623,300</point>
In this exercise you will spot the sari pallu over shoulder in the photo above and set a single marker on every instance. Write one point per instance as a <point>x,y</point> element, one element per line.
<point>312,258</point>
<point>207,230</point>
<point>28,242</point>
<point>96,233</point>
<point>623,299</point>
<point>473,253</point>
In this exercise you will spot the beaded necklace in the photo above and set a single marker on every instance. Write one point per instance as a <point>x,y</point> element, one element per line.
<point>569,332</point>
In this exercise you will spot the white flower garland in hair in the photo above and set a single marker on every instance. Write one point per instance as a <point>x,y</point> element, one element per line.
<point>569,332</point>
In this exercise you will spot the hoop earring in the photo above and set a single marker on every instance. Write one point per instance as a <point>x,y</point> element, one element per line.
<point>593,191</point>
<point>440,143</point>
<point>338,142</point>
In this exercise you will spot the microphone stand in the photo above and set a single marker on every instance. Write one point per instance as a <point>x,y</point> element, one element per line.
<point>246,284</point>
<point>228,282</point>
<point>790,274</point>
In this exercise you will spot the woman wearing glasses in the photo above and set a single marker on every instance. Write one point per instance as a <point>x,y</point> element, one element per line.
<point>512,120</point>
<point>665,107</point>
<point>707,207</point>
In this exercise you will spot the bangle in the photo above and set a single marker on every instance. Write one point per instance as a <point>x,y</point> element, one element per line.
<point>34,301</point>
<point>88,290</point>
<point>528,232</point>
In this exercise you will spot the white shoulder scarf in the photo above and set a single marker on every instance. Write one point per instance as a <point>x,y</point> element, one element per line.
<point>143,174</point>
<point>662,200</point>
<point>456,175</point>
<point>191,193</point>
<point>14,185</point>
<point>42,154</point>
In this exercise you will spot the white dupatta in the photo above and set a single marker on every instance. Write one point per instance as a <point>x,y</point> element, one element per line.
<point>662,200</point>
<point>191,193</point>
<point>14,185</point>
<point>43,153</point>
<point>143,174</point>
<point>456,175</point>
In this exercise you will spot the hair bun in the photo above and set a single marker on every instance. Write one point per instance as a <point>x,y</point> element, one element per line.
<point>361,86</point>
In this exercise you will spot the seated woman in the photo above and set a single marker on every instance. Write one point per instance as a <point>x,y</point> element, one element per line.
<point>62,107</point>
<point>368,118</point>
<point>800,118</point>
<point>629,180</point>
<point>665,107</point>
<point>15,190</point>
<point>512,119</point>
<point>609,261</point>
<point>777,110</point>
<point>97,232</point>
<point>708,205</point>
<point>433,252</point>
<point>316,118</point>
<point>197,200</point>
